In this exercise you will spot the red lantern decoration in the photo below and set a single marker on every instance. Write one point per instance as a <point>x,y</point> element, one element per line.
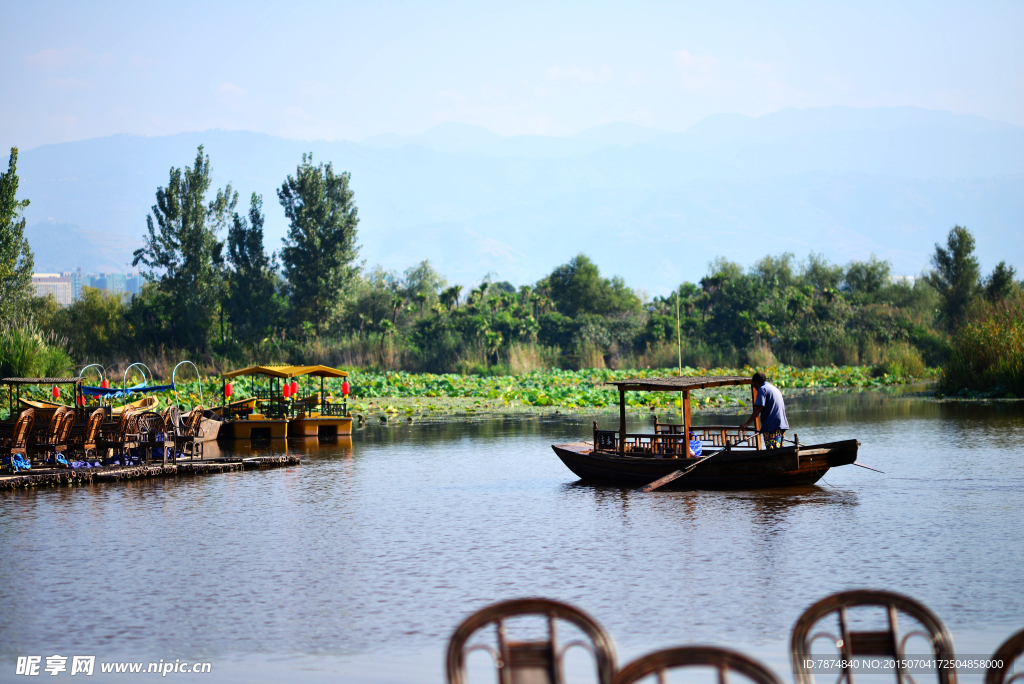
<point>56,392</point>
<point>81,401</point>
<point>228,390</point>
<point>105,384</point>
<point>286,390</point>
<point>345,388</point>
<point>295,388</point>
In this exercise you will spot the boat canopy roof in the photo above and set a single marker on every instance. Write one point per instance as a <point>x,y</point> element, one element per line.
<point>40,381</point>
<point>287,371</point>
<point>679,383</point>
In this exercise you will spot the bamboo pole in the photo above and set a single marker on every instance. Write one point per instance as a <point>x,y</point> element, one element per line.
<point>622,420</point>
<point>679,350</point>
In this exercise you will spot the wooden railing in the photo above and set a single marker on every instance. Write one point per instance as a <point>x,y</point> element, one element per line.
<point>669,440</point>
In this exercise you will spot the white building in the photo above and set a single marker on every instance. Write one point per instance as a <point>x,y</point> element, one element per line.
<point>57,284</point>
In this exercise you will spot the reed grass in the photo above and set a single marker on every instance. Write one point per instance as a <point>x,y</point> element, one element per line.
<point>760,355</point>
<point>901,360</point>
<point>26,352</point>
<point>523,358</point>
<point>988,351</point>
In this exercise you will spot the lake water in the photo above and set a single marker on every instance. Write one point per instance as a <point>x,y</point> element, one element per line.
<point>357,565</point>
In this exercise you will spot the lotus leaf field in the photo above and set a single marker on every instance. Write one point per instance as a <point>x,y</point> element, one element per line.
<point>565,389</point>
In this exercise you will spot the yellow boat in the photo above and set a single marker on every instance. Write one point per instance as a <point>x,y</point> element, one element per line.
<point>274,417</point>
<point>144,404</point>
<point>241,406</point>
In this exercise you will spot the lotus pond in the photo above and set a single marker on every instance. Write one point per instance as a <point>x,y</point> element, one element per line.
<point>400,391</point>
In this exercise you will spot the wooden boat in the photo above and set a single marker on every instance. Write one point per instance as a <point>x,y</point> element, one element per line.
<point>143,404</point>
<point>211,427</point>
<point>247,405</point>
<point>743,461</point>
<point>272,416</point>
<point>258,417</point>
<point>316,415</point>
<point>254,426</point>
<point>315,425</point>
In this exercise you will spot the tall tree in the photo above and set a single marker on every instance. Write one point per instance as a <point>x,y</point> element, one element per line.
<point>577,287</point>
<point>320,248</point>
<point>252,281</point>
<point>956,275</point>
<point>16,261</point>
<point>183,252</point>
<point>866,278</point>
<point>1000,284</point>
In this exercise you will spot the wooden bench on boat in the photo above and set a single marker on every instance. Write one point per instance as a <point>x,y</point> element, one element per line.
<point>628,459</point>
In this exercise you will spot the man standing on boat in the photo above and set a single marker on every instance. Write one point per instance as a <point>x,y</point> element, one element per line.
<point>771,409</point>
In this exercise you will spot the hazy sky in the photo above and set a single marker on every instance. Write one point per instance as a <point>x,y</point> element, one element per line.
<point>351,70</point>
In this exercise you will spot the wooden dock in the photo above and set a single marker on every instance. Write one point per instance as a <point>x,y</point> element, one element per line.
<point>43,477</point>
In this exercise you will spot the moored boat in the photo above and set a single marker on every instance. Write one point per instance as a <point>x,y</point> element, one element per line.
<point>317,414</point>
<point>143,404</point>
<point>727,457</point>
<point>280,413</point>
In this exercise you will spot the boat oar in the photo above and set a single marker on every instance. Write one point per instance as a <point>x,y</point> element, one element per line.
<point>868,467</point>
<point>671,477</point>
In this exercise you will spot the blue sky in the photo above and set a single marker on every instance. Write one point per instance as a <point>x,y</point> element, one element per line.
<point>351,70</point>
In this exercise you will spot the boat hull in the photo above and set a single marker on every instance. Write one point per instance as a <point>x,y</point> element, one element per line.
<point>211,429</point>
<point>254,429</point>
<point>738,469</point>
<point>319,426</point>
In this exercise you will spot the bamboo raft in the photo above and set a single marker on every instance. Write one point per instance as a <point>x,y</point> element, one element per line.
<point>38,477</point>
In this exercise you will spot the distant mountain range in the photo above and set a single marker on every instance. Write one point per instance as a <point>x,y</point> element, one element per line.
<point>651,206</point>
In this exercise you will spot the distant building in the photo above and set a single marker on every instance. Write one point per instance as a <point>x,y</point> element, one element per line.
<point>115,282</point>
<point>98,281</point>
<point>133,284</point>
<point>76,283</point>
<point>56,284</point>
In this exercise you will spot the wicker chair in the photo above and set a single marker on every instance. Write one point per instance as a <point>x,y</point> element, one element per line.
<point>1006,655</point>
<point>537,662</point>
<point>118,439</point>
<point>885,644</point>
<point>188,437</point>
<point>723,660</point>
<point>86,443</point>
<point>64,435</point>
<point>172,417</point>
<point>152,437</point>
<point>43,443</point>
<point>17,443</point>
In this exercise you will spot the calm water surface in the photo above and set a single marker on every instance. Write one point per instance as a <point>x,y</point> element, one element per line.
<point>357,565</point>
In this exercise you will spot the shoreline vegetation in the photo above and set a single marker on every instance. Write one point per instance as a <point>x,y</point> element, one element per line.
<point>401,395</point>
<point>215,295</point>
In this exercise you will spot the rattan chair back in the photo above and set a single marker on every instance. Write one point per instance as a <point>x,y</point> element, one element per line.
<point>195,417</point>
<point>885,644</point>
<point>56,422</point>
<point>22,428</point>
<point>123,423</point>
<point>172,417</point>
<point>150,424</point>
<point>66,426</point>
<point>1006,655</point>
<point>92,426</point>
<point>529,662</point>
<point>721,659</point>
